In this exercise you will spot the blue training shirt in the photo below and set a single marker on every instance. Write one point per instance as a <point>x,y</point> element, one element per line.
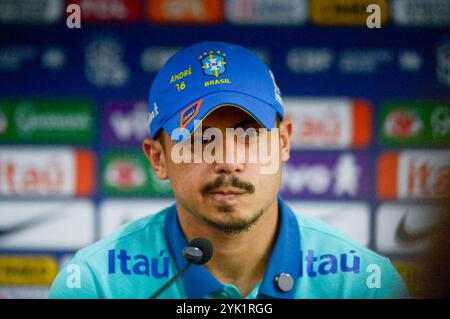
<point>139,258</point>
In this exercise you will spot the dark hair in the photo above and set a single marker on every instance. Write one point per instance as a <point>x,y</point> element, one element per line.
<point>159,137</point>
<point>277,120</point>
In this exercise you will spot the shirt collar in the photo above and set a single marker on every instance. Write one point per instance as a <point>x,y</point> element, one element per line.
<point>285,254</point>
<point>199,282</point>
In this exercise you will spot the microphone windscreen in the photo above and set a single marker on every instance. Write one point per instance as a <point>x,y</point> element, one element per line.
<point>205,246</point>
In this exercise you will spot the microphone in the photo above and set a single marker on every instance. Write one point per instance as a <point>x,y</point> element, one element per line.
<point>199,252</point>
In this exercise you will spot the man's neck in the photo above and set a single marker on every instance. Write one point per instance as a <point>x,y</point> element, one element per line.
<point>238,259</point>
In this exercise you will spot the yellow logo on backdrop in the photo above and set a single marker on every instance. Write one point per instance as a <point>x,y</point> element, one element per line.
<point>415,277</point>
<point>345,12</point>
<point>30,271</point>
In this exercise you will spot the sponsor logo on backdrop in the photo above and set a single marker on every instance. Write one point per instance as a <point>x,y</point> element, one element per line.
<point>309,60</point>
<point>153,58</point>
<point>403,123</point>
<point>345,12</point>
<point>352,218</point>
<point>114,213</point>
<point>13,58</point>
<point>4,122</point>
<point>104,64</point>
<point>421,13</point>
<point>129,173</point>
<point>125,174</point>
<point>416,277</point>
<point>47,121</point>
<point>325,175</point>
<point>46,225</point>
<point>109,10</point>
<point>53,58</point>
<point>443,63</point>
<point>329,123</point>
<point>407,228</point>
<point>46,172</point>
<point>440,122</point>
<point>20,292</point>
<point>125,123</point>
<point>269,12</point>
<point>417,123</point>
<point>27,224</point>
<point>365,61</point>
<point>185,12</point>
<point>403,235</point>
<point>423,174</point>
<point>27,270</point>
<point>31,12</point>
<point>410,61</point>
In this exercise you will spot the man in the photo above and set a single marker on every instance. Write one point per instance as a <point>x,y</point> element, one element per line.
<point>261,249</point>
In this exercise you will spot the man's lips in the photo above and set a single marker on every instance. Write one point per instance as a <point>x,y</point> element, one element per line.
<point>225,195</point>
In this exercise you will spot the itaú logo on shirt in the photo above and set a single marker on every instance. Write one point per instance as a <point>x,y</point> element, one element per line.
<point>328,263</point>
<point>158,267</point>
<point>121,262</point>
<point>312,265</point>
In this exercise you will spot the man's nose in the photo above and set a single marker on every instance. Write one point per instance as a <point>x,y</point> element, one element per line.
<point>228,168</point>
<point>233,157</point>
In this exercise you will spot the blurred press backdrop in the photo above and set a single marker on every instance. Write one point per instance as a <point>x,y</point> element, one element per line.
<point>371,113</point>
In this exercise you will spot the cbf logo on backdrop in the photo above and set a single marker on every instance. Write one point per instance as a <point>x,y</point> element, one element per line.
<point>443,63</point>
<point>213,63</point>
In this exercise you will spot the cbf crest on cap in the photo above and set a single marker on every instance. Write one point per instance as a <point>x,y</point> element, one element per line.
<point>205,76</point>
<point>213,63</point>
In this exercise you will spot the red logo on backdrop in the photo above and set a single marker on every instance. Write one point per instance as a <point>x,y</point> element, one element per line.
<point>429,180</point>
<point>109,10</point>
<point>125,174</point>
<point>19,179</point>
<point>185,12</point>
<point>47,174</point>
<point>423,176</point>
<point>326,129</point>
<point>403,124</point>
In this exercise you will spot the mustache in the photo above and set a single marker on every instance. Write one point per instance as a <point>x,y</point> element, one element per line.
<point>220,181</point>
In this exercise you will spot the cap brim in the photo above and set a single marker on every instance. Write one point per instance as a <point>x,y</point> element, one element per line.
<point>185,119</point>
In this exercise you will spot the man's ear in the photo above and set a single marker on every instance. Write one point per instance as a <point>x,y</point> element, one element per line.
<point>154,151</point>
<point>285,139</point>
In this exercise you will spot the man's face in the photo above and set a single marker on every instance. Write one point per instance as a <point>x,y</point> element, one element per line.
<point>229,195</point>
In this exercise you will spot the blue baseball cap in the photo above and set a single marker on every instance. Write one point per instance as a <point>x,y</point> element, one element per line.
<point>205,76</point>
